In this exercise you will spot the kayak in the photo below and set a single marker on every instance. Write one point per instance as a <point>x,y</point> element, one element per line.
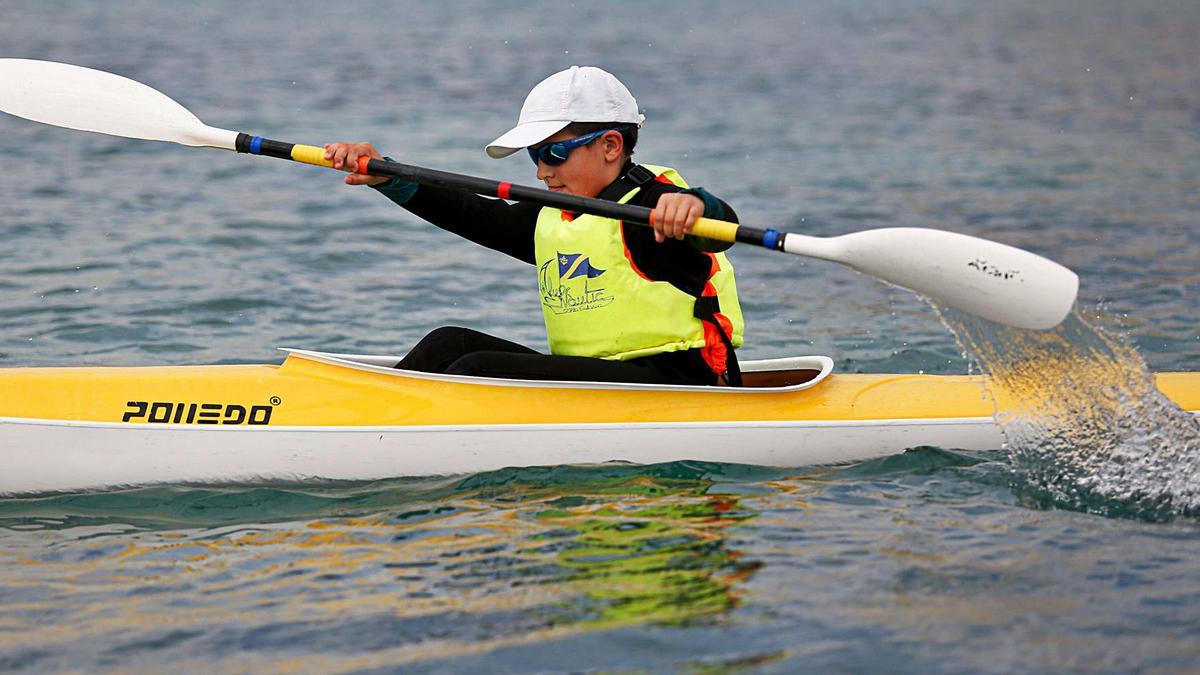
<point>356,417</point>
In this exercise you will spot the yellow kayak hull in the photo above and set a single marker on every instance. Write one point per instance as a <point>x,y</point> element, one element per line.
<point>353,417</point>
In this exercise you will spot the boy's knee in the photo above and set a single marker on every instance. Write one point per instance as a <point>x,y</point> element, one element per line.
<point>444,333</point>
<point>442,339</point>
<point>475,363</point>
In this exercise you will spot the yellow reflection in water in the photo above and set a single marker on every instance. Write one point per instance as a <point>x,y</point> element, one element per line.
<point>574,557</point>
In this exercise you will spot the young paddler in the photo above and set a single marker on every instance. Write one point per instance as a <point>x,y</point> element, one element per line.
<point>621,302</point>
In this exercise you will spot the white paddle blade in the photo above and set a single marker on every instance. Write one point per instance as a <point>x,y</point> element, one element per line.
<point>991,280</point>
<point>80,98</point>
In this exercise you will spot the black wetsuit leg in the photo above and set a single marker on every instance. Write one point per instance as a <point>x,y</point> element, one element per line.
<point>438,350</point>
<point>462,351</point>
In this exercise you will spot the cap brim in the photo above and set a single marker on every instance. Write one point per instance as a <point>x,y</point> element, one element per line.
<point>523,136</point>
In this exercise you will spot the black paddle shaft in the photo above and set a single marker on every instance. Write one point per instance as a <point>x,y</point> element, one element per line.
<point>257,145</point>
<point>558,200</point>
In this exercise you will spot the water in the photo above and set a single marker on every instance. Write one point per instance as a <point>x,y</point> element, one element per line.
<point>1068,128</point>
<point>1082,418</point>
<point>921,562</point>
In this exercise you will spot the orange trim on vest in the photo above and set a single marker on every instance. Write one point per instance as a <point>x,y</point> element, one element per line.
<point>714,352</point>
<point>629,255</point>
<point>567,216</point>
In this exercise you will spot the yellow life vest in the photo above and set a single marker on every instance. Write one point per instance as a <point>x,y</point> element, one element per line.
<point>597,303</point>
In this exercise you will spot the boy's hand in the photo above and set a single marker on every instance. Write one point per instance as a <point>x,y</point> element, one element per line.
<point>345,156</point>
<point>675,214</point>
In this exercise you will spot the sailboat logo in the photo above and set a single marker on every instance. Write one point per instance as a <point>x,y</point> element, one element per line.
<point>571,265</point>
<point>570,290</point>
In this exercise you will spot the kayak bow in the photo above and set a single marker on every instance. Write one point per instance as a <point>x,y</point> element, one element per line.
<point>354,417</point>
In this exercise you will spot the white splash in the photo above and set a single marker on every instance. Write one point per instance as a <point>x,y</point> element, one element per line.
<point>1084,421</point>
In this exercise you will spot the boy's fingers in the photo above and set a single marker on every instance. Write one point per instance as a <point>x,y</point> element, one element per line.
<point>363,179</point>
<point>345,156</point>
<point>678,220</point>
<point>675,215</point>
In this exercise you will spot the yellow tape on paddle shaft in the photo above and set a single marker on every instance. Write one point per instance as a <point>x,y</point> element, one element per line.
<point>711,229</point>
<point>310,154</point>
<point>715,229</point>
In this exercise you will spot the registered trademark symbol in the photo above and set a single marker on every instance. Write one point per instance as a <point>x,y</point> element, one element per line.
<point>275,400</point>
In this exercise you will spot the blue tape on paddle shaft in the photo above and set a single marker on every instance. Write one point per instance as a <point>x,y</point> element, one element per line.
<point>771,238</point>
<point>256,145</point>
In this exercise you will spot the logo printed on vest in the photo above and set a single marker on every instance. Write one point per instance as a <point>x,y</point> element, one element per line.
<point>567,289</point>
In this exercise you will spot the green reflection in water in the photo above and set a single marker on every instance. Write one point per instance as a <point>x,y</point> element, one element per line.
<point>662,561</point>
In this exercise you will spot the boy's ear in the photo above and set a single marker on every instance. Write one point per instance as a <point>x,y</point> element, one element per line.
<point>614,146</point>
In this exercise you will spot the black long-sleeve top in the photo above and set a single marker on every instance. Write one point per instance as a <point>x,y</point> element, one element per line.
<point>509,227</point>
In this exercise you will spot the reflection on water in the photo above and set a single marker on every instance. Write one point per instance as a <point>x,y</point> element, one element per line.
<point>1085,425</point>
<point>651,561</point>
<point>923,559</point>
<point>497,559</point>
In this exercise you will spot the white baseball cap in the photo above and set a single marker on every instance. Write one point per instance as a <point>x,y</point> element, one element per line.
<point>577,94</point>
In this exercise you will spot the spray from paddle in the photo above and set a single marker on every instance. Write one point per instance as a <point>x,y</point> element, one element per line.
<point>1085,425</point>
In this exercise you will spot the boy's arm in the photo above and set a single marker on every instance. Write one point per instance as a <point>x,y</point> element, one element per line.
<point>651,196</point>
<point>683,263</point>
<point>493,223</point>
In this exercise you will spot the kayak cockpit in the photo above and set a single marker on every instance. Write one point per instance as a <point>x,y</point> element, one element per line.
<point>766,375</point>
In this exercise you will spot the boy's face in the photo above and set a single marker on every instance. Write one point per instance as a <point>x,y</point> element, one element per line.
<point>588,169</point>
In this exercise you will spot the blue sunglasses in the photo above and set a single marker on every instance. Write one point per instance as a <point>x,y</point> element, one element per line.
<point>553,154</point>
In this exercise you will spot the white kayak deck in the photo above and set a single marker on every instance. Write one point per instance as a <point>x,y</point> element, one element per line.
<point>794,373</point>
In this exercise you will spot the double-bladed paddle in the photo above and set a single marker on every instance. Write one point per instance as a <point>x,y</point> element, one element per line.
<point>985,278</point>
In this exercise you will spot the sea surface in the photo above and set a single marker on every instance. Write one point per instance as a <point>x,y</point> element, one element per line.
<point>1070,128</point>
